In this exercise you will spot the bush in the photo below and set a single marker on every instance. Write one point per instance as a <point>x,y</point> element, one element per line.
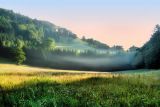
<point>19,56</point>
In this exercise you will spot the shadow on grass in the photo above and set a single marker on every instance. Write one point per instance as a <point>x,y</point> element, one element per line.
<point>91,92</point>
<point>6,61</point>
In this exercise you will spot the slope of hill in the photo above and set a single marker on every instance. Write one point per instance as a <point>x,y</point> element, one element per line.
<point>15,26</point>
<point>149,55</point>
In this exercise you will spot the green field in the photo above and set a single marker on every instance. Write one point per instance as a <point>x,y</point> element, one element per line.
<point>24,86</point>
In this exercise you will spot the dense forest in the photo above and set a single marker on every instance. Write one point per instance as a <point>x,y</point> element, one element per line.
<point>41,43</point>
<point>148,56</point>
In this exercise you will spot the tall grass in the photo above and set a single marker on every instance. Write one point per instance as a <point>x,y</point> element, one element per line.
<point>23,86</point>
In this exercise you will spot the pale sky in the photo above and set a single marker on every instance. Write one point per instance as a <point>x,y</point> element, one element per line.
<point>114,22</point>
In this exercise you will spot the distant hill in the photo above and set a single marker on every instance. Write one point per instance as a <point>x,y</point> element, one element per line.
<point>33,32</point>
<point>41,43</point>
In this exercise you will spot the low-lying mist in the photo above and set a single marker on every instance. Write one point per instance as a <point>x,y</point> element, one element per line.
<point>122,61</point>
<point>118,62</point>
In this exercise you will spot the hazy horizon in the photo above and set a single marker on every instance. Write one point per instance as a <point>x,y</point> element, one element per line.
<point>114,22</point>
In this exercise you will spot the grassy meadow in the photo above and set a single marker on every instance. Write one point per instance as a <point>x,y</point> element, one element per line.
<point>24,86</point>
